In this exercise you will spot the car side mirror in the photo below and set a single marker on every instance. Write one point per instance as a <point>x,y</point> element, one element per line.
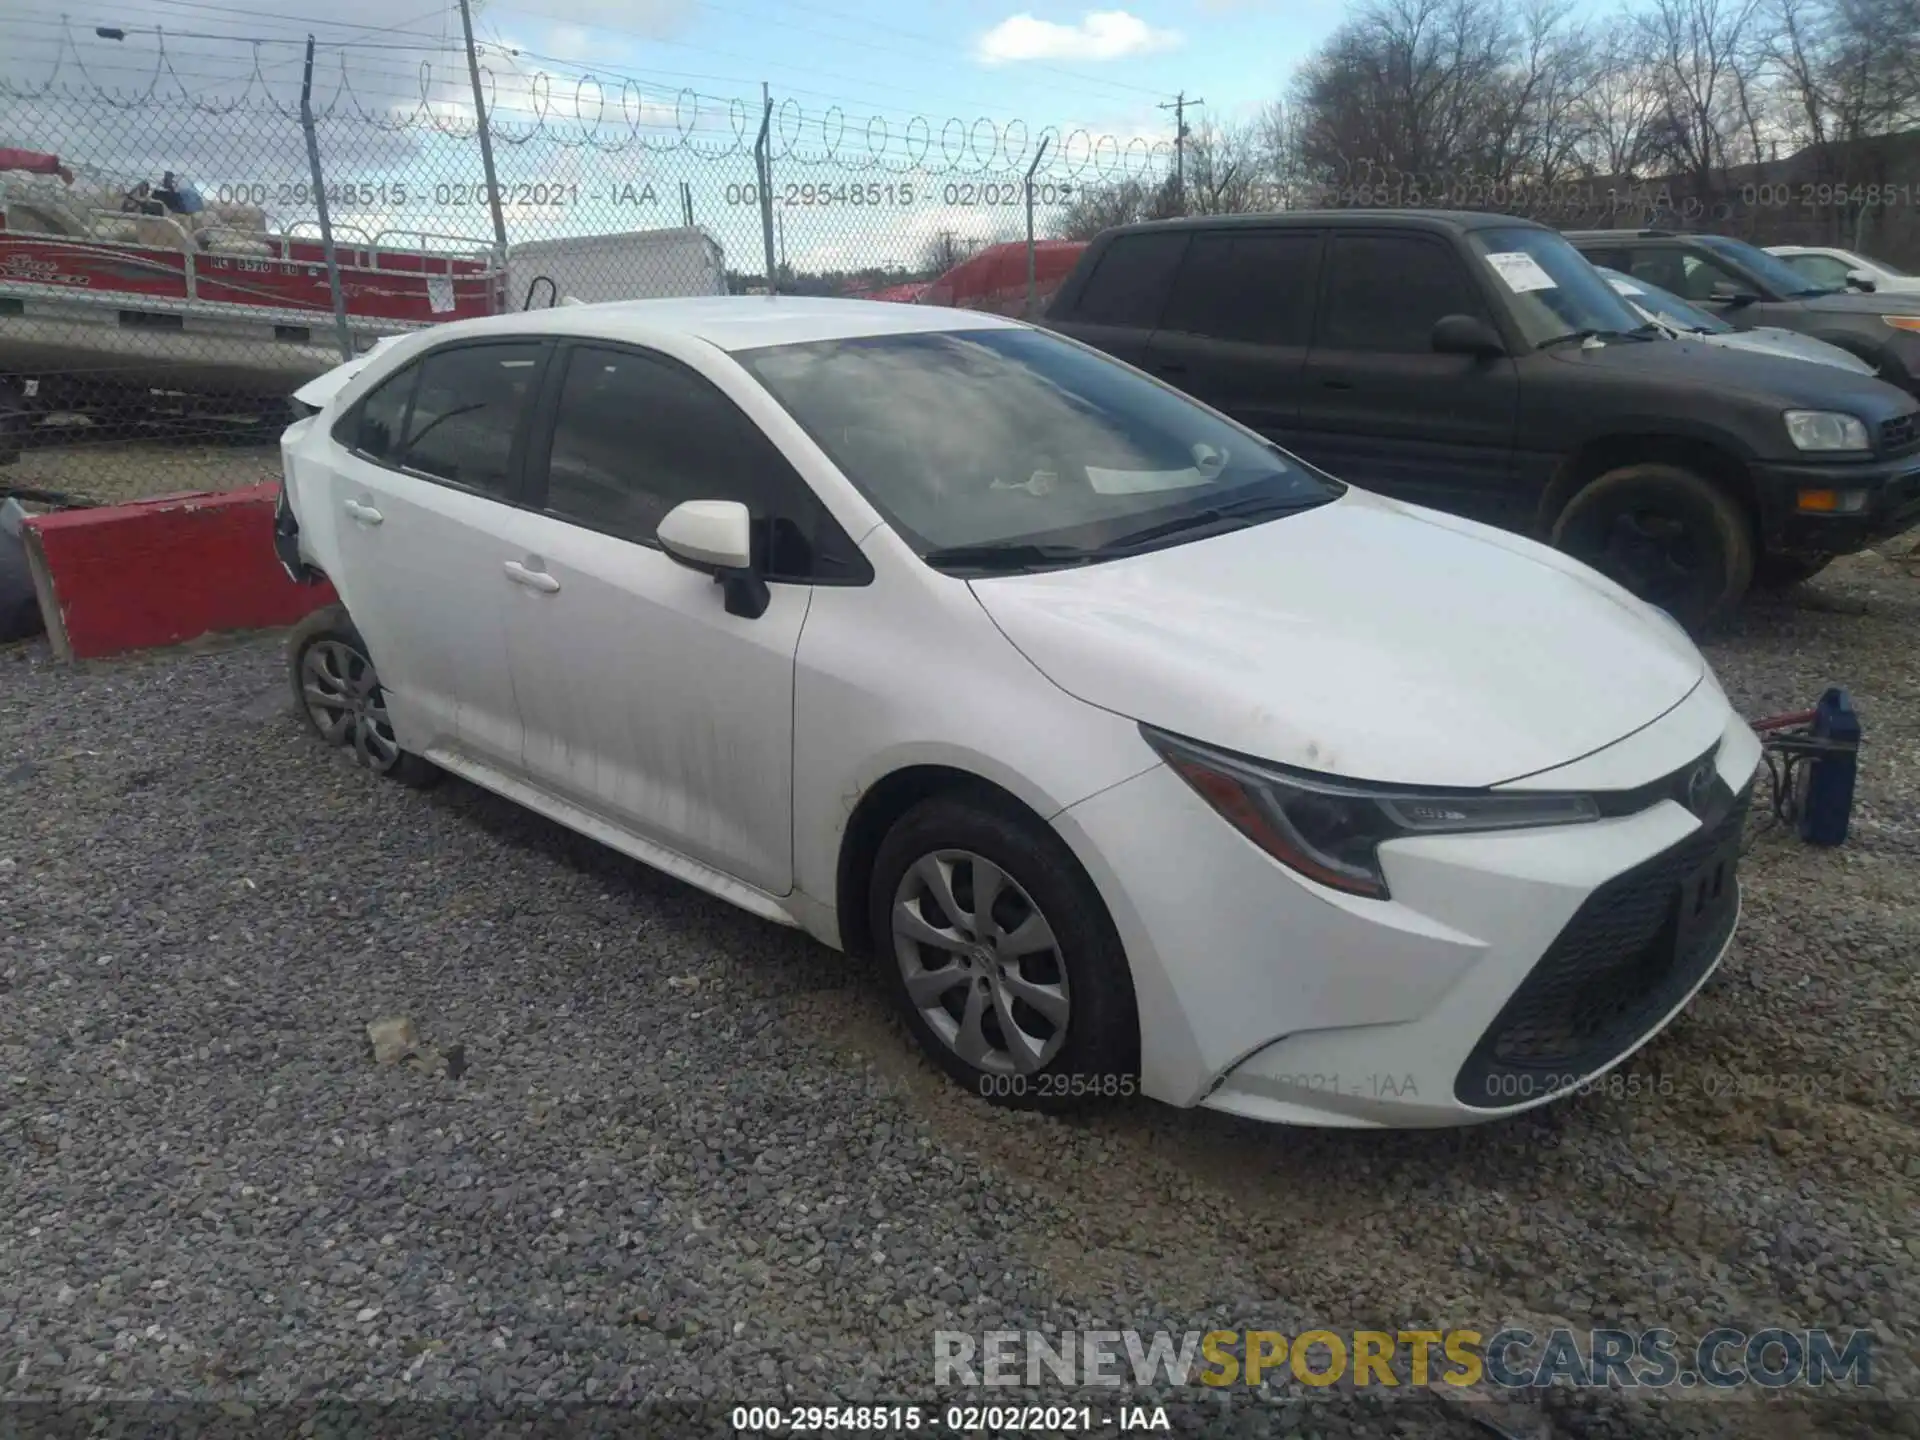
<point>1466,335</point>
<point>715,537</point>
<point>1861,281</point>
<point>1727,294</point>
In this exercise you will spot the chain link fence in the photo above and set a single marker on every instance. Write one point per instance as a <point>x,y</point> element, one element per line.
<point>165,282</point>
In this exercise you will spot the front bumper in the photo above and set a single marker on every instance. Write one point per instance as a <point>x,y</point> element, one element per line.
<point>1893,504</point>
<point>1507,969</point>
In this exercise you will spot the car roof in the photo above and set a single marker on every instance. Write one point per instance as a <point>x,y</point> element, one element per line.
<point>728,322</point>
<point>1289,219</point>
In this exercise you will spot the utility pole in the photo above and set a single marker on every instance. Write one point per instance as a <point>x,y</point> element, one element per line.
<point>486,139</point>
<point>1179,108</point>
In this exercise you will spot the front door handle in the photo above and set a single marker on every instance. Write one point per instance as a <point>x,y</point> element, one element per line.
<point>532,579</point>
<point>365,514</point>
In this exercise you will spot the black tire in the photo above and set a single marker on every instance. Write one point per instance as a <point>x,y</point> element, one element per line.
<point>1668,534</point>
<point>342,667</point>
<point>1095,1054</point>
<point>1783,572</point>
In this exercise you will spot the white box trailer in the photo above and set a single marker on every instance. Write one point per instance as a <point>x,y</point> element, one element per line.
<point>632,265</point>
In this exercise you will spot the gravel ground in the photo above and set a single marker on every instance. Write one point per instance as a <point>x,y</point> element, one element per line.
<point>693,1159</point>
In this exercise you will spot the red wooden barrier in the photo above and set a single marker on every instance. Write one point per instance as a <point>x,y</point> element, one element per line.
<point>162,571</point>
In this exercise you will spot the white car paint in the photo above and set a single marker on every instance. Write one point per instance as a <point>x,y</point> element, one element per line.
<point>1364,639</point>
<point>1884,280</point>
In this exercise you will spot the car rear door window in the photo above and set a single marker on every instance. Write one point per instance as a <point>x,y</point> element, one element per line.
<point>375,426</point>
<point>1386,293</point>
<point>636,434</point>
<point>467,407</point>
<point>1130,280</point>
<point>1254,286</point>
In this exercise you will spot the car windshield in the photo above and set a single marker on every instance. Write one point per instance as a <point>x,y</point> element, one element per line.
<point>1550,288</point>
<point>996,449</point>
<point>1665,307</point>
<point>1770,270</point>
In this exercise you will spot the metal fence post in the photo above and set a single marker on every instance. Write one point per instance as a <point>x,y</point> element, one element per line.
<point>1038,156</point>
<point>763,173</point>
<point>320,205</point>
<point>486,136</point>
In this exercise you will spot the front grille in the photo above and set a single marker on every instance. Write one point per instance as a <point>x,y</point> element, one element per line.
<point>1899,434</point>
<point>1613,972</point>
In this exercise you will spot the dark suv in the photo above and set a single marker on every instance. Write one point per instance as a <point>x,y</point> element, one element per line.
<point>1748,288</point>
<point>1477,363</point>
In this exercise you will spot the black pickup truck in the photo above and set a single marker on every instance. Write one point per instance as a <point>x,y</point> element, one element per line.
<point>1477,363</point>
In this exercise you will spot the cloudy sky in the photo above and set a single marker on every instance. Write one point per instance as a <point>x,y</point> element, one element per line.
<point>846,72</point>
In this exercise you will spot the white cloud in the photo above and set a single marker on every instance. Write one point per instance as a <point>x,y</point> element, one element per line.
<point>1099,35</point>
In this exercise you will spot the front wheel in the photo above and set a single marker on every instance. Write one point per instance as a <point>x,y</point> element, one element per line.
<point>338,693</point>
<point>1002,958</point>
<point>1668,534</point>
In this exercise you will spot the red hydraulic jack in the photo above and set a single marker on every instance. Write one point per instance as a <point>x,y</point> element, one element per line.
<point>1811,757</point>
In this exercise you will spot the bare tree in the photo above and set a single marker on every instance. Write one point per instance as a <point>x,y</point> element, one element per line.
<point>1425,88</point>
<point>944,250</point>
<point>1620,102</point>
<point>1223,169</point>
<point>1124,203</point>
<point>1698,48</point>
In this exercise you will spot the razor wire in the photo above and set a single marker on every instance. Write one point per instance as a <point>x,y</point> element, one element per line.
<point>145,347</point>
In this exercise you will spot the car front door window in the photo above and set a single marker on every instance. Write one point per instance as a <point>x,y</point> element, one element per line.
<point>618,463</point>
<point>1385,293</point>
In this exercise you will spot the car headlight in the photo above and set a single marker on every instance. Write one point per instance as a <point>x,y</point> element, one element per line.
<point>1826,430</point>
<point>1331,830</point>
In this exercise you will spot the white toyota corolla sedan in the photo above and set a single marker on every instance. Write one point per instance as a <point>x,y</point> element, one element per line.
<point>1140,754</point>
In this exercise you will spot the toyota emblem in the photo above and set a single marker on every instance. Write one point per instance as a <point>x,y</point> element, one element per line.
<point>1700,787</point>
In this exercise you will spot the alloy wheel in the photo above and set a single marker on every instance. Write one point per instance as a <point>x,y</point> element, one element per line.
<point>344,701</point>
<point>980,962</point>
<point>1656,556</point>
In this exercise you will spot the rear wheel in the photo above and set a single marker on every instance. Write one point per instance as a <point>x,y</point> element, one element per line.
<point>1781,572</point>
<point>338,692</point>
<point>1666,533</point>
<point>1001,956</point>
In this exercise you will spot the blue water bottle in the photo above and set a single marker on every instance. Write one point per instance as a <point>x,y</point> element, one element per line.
<point>1829,797</point>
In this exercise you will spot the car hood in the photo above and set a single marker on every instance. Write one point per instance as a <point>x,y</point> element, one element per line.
<point>1764,377</point>
<point>1365,638</point>
<point>1766,340</point>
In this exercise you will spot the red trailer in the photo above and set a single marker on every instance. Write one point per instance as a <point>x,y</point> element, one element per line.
<point>102,306</point>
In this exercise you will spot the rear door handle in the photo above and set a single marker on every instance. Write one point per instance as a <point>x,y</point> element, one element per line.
<point>365,514</point>
<point>532,579</point>
<point>1170,367</point>
<point>1337,384</point>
